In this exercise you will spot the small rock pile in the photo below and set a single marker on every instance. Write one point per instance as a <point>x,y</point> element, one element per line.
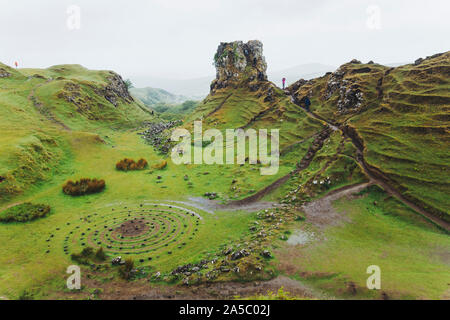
<point>117,261</point>
<point>190,269</point>
<point>211,195</point>
<point>156,135</point>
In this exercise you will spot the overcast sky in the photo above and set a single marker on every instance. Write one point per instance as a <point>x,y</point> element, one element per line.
<point>178,39</point>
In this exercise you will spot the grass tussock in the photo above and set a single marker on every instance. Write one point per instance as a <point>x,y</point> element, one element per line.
<point>24,212</point>
<point>83,186</point>
<point>130,165</point>
<point>126,271</point>
<point>88,254</point>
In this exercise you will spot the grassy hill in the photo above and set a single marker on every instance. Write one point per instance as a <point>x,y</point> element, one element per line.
<point>44,111</point>
<point>400,118</point>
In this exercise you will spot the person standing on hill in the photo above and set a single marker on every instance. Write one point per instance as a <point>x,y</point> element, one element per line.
<point>284,82</point>
<point>307,103</point>
<point>16,64</point>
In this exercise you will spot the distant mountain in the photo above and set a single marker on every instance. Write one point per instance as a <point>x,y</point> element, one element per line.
<point>153,96</point>
<point>194,89</point>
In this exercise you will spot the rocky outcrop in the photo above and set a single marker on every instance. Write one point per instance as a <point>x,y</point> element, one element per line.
<point>421,60</point>
<point>4,73</point>
<point>350,95</point>
<point>116,88</point>
<point>296,85</point>
<point>334,83</point>
<point>238,61</point>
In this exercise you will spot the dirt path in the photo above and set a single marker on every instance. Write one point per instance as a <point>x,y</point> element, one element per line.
<point>219,106</point>
<point>209,291</point>
<point>395,193</point>
<point>290,147</point>
<point>40,106</point>
<point>10,205</point>
<point>211,205</point>
<point>321,213</point>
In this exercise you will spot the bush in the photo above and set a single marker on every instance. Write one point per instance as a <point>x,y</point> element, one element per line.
<point>84,256</point>
<point>129,164</point>
<point>24,212</point>
<point>100,254</point>
<point>87,254</point>
<point>83,186</point>
<point>126,271</point>
<point>160,165</point>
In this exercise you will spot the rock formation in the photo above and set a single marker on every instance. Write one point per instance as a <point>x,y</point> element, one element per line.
<point>236,62</point>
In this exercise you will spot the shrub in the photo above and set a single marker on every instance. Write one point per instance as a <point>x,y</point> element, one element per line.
<point>129,164</point>
<point>83,186</point>
<point>126,271</point>
<point>100,254</point>
<point>24,212</point>
<point>160,165</point>
<point>87,252</point>
<point>84,256</point>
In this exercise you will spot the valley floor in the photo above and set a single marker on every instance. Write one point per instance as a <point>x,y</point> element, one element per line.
<point>336,243</point>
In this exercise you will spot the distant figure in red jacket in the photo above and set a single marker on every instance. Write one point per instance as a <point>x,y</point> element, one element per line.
<point>284,82</point>
<point>16,64</point>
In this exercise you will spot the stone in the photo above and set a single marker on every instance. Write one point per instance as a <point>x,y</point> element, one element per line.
<point>418,61</point>
<point>240,254</point>
<point>266,254</point>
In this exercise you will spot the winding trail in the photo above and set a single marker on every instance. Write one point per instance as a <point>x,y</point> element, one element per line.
<point>219,106</point>
<point>40,106</point>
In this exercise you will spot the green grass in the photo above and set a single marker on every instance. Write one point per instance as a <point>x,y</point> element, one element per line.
<point>411,253</point>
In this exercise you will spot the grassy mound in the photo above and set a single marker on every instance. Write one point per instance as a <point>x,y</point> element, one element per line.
<point>83,186</point>
<point>24,212</point>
